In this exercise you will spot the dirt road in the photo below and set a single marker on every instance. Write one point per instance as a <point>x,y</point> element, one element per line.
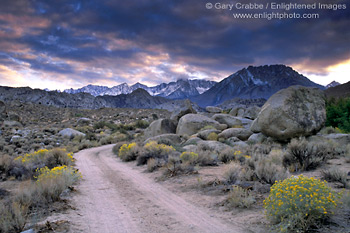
<point>116,197</point>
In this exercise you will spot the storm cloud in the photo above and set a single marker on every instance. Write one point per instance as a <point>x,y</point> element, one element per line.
<point>74,43</point>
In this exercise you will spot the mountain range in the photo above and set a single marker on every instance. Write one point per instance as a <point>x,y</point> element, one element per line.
<point>180,89</point>
<point>249,83</point>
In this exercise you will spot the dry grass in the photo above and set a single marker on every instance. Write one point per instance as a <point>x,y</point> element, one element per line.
<point>240,198</point>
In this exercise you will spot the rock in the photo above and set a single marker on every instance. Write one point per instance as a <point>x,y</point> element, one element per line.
<point>252,112</point>
<point>241,133</point>
<point>28,231</point>
<point>160,126</point>
<point>222,127</point>
<point>237,111</point>
<point>68,132</point>
<point>12,124</point>
<point>213,145</point>
<point>169,139</point>
<point>84,121</point>
<point>292,112</point>
<point>239,144</point>
<point>257,138</point>
<point>230,121</point>
<point>182,110</point>
<point>205,133</point>
<point>192,123</point>
<point>190,148</point>
<point>233,139</point>
<point>16,139</point>
<point>246,123</point>
<point>213,109</point>
<point>14,117</point>
<point>341,139</point>
<point>193,141</point>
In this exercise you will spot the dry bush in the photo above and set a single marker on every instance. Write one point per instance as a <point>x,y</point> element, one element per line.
<point>13,216</point>
<point>205,158</point>
<point>227,155</point>
<point>213,136</point>
<point>335,175</point>
<point>153,149</point>
<point>58,157</point>
<point>152,165</point>
<point>232,172</point>
<point>241,198</point>
<point>347,154</point>
<point>304,156</point>
<point>5,163</point>
<point>269,172</point>
<point>174,167</point>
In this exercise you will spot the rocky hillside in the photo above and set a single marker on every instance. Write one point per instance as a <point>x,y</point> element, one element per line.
<point>342,90</point>
<point>137,99</point>
<point>253,83</point>
<point>174,90</point>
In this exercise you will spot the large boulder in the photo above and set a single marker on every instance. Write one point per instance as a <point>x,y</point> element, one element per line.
<point>227,119</point>
<point>182,110</point>
<point>192,123</point>
<point>292,112</point>
<point>160,126</point>
<point>213,109</point>
<point>68,132</point>
<point>252,112</point>
<point>241,133</point>
<point>237,111</point>
<point>169,139</point>
<point>213,146</point>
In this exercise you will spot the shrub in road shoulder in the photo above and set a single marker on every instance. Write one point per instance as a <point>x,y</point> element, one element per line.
<point>153,149</point>
<point>128,152</point>
<point>299,203</point>
<point>51,183</point>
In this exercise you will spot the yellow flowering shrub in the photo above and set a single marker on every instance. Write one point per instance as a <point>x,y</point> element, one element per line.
<point>50,183</point>
<point>153,149</point>
<point>188,156</point>
<point>297,203</point>
<point>49,158</point>
<point>36,156</point>
<point>128,152</point>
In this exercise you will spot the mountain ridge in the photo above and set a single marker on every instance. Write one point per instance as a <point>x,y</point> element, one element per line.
<point>179,89</point>
<point>253,82</point>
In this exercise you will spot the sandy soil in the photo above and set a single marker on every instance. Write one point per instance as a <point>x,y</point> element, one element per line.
<point>117,197</point>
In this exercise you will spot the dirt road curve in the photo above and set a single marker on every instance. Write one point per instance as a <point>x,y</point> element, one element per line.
<point>115,197</point>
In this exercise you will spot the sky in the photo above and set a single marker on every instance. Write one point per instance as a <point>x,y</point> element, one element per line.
<point>59,44</point>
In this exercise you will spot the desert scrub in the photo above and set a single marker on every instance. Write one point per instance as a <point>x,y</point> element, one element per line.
<point>335,175</point>
<point>304,156</point>
<point>213,136</point>
<point>154,150</point>
<point>239,197</point>
<point>298,203</point>
<point>128,152</point>
<point>44,157</point>
<point>51,183</point>
<point>13,216</point>
<point>188,156</point>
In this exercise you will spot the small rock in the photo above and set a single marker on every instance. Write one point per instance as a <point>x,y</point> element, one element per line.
<point>68,132</point>
<point>213,109</point>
